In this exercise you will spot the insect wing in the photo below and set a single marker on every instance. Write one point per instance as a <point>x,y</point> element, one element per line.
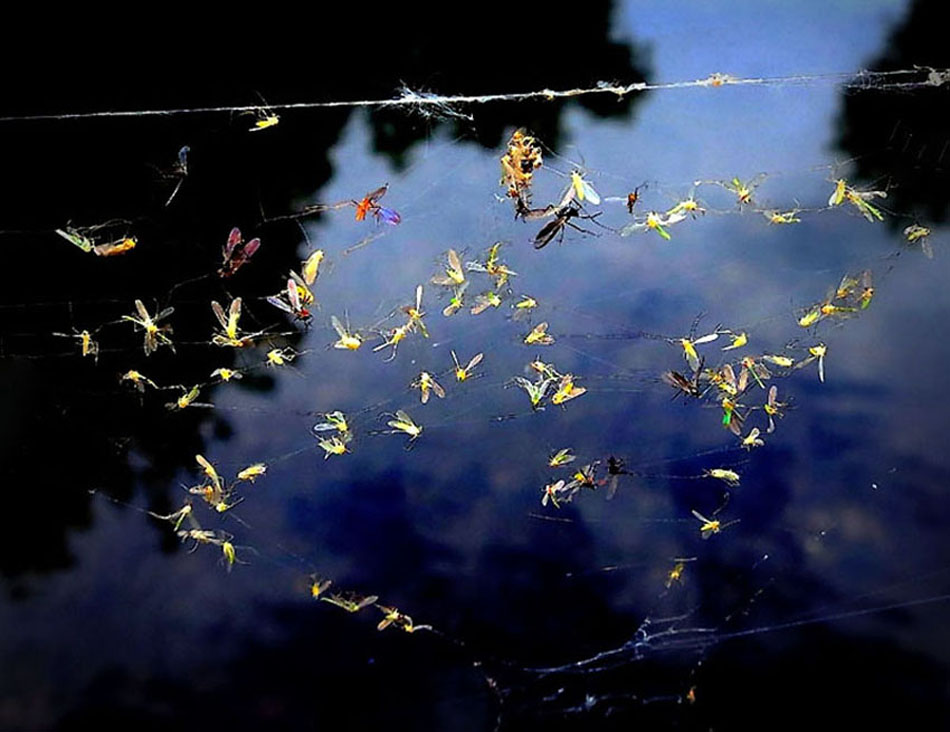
<point>248,251</point>
<point>234,238</point>
<point>219,313</point>
<point>311,266</point>
<point>456,273</point>
<point>482,303</point>
<point>612,485</point>
<point>234,315</point>
<point>280,304</point>
<point>293,296</point>
<point>387,215</point>
<point>585,191</point>
<point>373,196</point>
<point>143,313</point>
<point>743,380</point>
<point>548,232</point>
<point>476,359</point>
<point>338,327</point>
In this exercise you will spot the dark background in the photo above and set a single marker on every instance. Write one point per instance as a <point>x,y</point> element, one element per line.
<point>109,622</point>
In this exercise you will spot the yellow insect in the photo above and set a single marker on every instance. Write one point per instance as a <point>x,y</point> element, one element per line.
<point>426,384</point>
<point>917,233</point>
<point>176,518</point>
<point>711,526</point>
<point>229,555</point>
<point>222,506</point>
<point>138,380</point>
<point>676,574</point>
<point>154,335</point>
<point>867,290</point>
<point>185,399</point>
<point>566,390</point>
<point>583,189</point>
<point>461,374</point>
<point>561,457</point>
<point>551,491</point>
<point>783,361</point>
<point>347,340</point>
<point>204,536</point>
<point>416,314</point>
<point>352,602</point>
<point>493,267</point>
<point>859,199</point>
<point>535,390</point>
<point>112,248</point>
<point>742,190</point>
<point>310,267</point>
<point>782,217</point>
<point>545,369</point>
<point>402,422</point>
<point>773,408</point>
<point>226,374</point>
<point>725,380</point>
<point>77,238</point>
<point>718,79</point>
<point>454,273</point>
<point>654,222</point>
<point>828,309</point>
<point>752,439</point>
<point>332,446</point>
<point>87,346</point>
<point>456,301</point>
<point>837,196</point>
<point>689,348</point>
<point>395,337</point>
<point>318,586</point>
<point>539,336</point>
<point>729,476</point>
<point>731,419</point>
<point>524,307</point>
<point>585,477</point>
<point>812,316</point>
<point>759,372</point>
<point>485,301</point>
<point>392,617</point>
<point>229,335</point>
<point>686,206</point>
<point>209,469</point>
<point>335,421</point>
<point>738,341</point>
<point>280,356</point>
<point>252,472</point>
<point>818,352</point>
<point>264,120</point>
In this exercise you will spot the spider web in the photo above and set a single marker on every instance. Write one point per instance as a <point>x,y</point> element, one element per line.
<point>539,615</point>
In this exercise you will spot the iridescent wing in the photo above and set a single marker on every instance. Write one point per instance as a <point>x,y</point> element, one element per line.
<point>219,313</point>
<point>338,327</point>
<point>234,238</point>
<point>373,196</point>
<point>476,359</point>
<point>234,315</point>
<point>143,313</point>
<point>387,215</point>
<point>293,296</point>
